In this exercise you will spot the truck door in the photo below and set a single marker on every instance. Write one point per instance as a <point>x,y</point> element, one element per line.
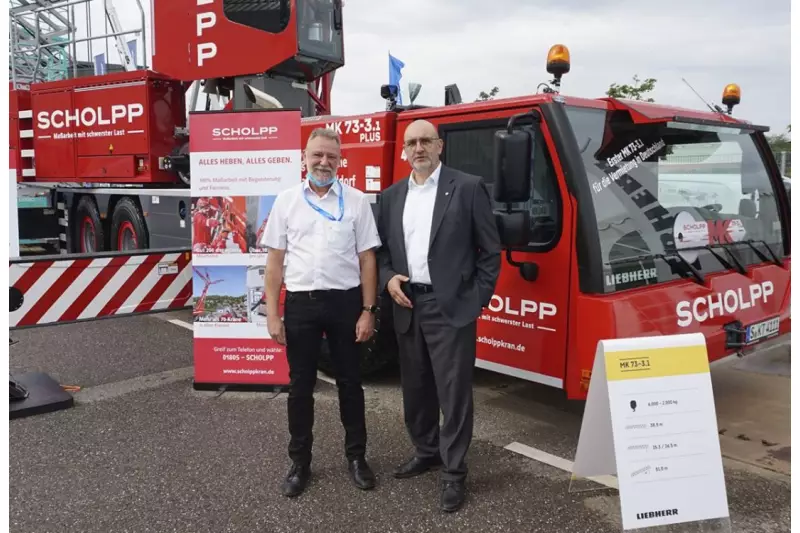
<point>523,332</point>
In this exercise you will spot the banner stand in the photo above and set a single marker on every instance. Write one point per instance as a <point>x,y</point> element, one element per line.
<point>240,161</point>
<point>649,429</point>
<point>239,387</point>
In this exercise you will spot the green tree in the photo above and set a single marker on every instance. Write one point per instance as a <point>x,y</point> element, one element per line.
<point>782,142</point>
<point>636,91</point>
<point>487,96</point>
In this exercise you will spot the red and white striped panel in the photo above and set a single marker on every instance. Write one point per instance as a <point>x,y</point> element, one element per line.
<point>67,290</point>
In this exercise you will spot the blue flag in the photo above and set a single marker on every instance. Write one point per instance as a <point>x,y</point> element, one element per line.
<point>99,64</point>
<point>395,68</point>
<point>132,51</point>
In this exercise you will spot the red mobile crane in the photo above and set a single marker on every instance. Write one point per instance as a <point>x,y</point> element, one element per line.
<point>103,159</point>
<point>618,218</point>
<point>200,305</point>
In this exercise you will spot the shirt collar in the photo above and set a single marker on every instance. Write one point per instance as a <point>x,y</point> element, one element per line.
<point>433,179</point>
<point>333,189</point>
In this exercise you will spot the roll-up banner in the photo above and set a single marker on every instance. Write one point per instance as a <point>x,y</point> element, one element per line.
<point>240,161</point>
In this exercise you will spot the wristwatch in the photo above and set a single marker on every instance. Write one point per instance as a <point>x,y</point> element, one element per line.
<point>370,308</point>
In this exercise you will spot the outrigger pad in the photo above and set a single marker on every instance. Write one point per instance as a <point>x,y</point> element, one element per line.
<point>44,395</point>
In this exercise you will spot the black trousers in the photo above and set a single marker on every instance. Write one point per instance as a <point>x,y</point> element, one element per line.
<point>436,366</point>
<point>307,316</point>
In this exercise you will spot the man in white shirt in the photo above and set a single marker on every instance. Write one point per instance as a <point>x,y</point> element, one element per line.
<point>321,238</point>
<point>439,261</point>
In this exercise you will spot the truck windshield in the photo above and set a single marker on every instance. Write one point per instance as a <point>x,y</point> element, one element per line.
<point>675,200</point>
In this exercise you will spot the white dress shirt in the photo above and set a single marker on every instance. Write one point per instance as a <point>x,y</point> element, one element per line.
<point>417,222</point>
<point>321,254</point>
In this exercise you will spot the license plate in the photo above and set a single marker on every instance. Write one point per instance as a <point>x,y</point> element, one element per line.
<point>762,330</point>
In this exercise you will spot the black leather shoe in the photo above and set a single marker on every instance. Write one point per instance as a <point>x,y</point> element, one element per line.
<point>296,480</point>
<point>453,493</point>
<point>415,467</point>
<point>362,474</point>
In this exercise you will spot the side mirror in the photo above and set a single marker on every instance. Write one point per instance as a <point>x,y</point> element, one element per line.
<point>512,184</point>
<point>512,166</point>
<point>514,228</point>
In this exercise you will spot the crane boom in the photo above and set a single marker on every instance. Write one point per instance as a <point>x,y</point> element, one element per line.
<point>116,27</point>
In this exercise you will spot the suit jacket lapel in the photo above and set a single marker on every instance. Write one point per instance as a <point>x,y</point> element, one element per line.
<point>444,193</point>
<point>397,227</point>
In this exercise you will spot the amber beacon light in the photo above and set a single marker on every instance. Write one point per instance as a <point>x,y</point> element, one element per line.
<point>558,60</point>
<point>731,96</point>
<point>557,64</point>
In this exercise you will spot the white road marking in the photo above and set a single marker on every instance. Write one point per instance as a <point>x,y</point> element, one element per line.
<point>557,462</point>
<point>183,324</point>
<point>326,379</point>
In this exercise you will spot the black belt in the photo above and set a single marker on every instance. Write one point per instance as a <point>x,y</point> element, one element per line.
<point>320,293</point>
<point>421,288</point>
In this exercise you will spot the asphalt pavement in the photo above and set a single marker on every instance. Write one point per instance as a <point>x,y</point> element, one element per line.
<point>141,451</point>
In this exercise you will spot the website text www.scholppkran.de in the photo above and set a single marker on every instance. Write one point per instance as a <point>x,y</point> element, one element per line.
<point>501,344</point>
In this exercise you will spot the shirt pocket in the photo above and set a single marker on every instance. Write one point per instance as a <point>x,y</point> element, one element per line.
<point>300,228</point>
<point>341,237</point>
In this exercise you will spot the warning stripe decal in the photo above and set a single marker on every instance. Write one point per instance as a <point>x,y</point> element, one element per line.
<point>69,290</point>
<point>160,288</point>
<point>60,285</point>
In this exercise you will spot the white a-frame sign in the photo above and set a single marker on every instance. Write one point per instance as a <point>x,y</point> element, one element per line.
<point>650,420</point>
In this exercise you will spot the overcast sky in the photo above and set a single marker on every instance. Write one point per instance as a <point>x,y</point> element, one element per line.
<point>479,44</point>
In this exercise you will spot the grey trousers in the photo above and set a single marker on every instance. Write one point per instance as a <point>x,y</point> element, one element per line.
<point>436,366</point>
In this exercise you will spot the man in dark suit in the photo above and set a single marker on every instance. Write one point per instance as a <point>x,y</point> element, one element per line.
<point>439,261</point>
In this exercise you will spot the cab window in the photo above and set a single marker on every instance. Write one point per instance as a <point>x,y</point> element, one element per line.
<point>469,147</point>
<point>272,16</point>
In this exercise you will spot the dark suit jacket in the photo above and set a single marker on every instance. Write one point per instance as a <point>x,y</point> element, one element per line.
<point>464,253</point>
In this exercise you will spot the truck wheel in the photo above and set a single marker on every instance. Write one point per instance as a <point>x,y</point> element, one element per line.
<point>184,177</point>
<point>90,236</point>
<point>128,231</point>
<point>183,172</point>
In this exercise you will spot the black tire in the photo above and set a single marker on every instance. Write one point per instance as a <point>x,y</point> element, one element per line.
<point>183,175</point>
<point>379,354</point>
<point>128,230</point>
<point>89,233</point>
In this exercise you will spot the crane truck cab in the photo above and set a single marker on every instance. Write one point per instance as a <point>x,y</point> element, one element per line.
<point>637,219</point>
<point>618,219</point>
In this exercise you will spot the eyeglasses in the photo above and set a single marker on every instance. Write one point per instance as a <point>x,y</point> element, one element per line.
<point>425,142</point>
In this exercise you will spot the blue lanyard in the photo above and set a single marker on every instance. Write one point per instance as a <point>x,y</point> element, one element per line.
<point>324,213</point>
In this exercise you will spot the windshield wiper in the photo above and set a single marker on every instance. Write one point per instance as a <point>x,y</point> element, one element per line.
<point>696,273</point>
<point>739,266</point>
<point>775,258</point>
<point>724,262</point>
